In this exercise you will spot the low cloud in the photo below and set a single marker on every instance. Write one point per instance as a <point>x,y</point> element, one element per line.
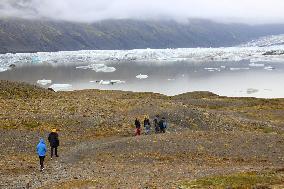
<point>247,11</point>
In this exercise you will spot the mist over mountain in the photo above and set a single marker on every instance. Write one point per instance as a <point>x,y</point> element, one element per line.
<point>22,35</point>
<point>244,11</point>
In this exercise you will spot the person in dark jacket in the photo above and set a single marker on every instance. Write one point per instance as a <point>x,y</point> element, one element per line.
<point>138,127</point>
<point>156,124</point>
<point>54,142</point>
<point>147,125</point>
<point>41,151</point>
<point>162,125</point>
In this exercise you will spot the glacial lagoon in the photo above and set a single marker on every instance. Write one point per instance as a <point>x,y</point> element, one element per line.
<point>243,72</point>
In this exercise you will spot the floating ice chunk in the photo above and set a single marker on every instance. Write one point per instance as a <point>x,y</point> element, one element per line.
<point>83,67</point>
<point>117,81</point>
<point>213,69</point>
<point>61,87</point>
<point>236,69</point>
<point>98,68</point>
<point>102,82</point>
<point>269,68</point>
<point>44,82</point>
<point>223,67</point>
<point>252,91</point>
<point>256,65</point>
<point>108,82</point>
<point>140,76</point>
<point>4,69</point>
<point>171,79</point>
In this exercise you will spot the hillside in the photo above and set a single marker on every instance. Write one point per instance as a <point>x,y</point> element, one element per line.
<point>18,35</point>
<point>212,141</point>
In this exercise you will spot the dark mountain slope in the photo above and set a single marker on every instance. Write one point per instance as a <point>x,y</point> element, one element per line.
<point>18,35</point>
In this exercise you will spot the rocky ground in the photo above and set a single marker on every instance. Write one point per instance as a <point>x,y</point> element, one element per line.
<point>212,141</point>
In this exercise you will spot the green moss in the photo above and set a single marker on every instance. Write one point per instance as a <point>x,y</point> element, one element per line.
<point>236,181</point>
<point>31,124</point>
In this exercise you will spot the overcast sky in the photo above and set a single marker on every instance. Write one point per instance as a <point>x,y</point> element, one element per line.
<point>247,11</point>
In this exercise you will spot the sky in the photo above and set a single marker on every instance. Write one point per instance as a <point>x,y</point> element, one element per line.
<point>244,11</point>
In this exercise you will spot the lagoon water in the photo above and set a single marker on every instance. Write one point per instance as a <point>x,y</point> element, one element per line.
<point>236,79</point>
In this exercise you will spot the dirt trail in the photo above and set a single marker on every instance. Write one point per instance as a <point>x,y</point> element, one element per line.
<point>155,161</point>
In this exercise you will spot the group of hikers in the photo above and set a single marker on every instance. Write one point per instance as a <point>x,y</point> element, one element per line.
<point>42,149</point>
<point>160,125</point>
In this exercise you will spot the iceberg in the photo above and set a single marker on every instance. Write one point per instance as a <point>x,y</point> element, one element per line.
<point>140,76</point>
<point>237,69</point>
<point>269,68</point>
<point>212,69</point>
<point>61,87</point>
<point>4,69</point>
<point>252,91</point>
<point>98,68</point>
<point>44,82</point>
<point>110,82</point>
<point>256,65</point>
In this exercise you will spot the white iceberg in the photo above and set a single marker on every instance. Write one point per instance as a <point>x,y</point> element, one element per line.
<point>237,69</point>
<point>98,68</point>
<point>102,82</point>
<point>269,68</point>
<point>117,81</point>
<point>256,65</point>
<point>252,91</point>
<point>108,82</point>
<point>44,82</point>
<point>140,76</point>
<point>4,69</point>
<point>212,69</point>
<point>61,87</point>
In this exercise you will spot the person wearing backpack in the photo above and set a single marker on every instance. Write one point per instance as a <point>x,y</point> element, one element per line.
<point>147,125</point>
<point>161,126</point>
<point>156,124</point>
<point>138,127</point>
<point>165,124</point>
<point>54,142</point>
<point>41,151</point>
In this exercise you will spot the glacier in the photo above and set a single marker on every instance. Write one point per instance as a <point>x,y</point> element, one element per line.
<point>98,60</point>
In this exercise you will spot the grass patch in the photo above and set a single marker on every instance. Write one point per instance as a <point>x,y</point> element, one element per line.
<point>237,181</point>
<point>72,184</point>
<point>30,124</point>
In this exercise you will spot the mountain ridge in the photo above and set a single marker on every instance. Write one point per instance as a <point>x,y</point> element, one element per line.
<point>19,35</point>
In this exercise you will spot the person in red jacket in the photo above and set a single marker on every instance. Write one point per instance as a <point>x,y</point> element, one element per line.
<point>138,127</point>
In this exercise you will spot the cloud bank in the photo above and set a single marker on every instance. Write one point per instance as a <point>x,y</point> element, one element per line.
<point>246,11</point>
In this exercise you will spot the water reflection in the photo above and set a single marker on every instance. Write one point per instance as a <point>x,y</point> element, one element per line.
<point>169,79</point>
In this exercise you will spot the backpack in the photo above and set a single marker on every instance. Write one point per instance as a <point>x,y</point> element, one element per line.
<point>165,125</point>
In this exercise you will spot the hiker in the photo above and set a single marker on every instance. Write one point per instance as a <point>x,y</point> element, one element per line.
<point>163,125</point>
<point>41,151</point>
<point>156,124</point>
<point>138,127</point>
<point>54,142</point>
<point>147,125</point>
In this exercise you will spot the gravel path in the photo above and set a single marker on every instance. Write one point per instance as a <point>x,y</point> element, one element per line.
<point>153,161</point>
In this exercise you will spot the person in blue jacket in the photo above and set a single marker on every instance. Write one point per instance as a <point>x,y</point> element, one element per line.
<point>41,151</point>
